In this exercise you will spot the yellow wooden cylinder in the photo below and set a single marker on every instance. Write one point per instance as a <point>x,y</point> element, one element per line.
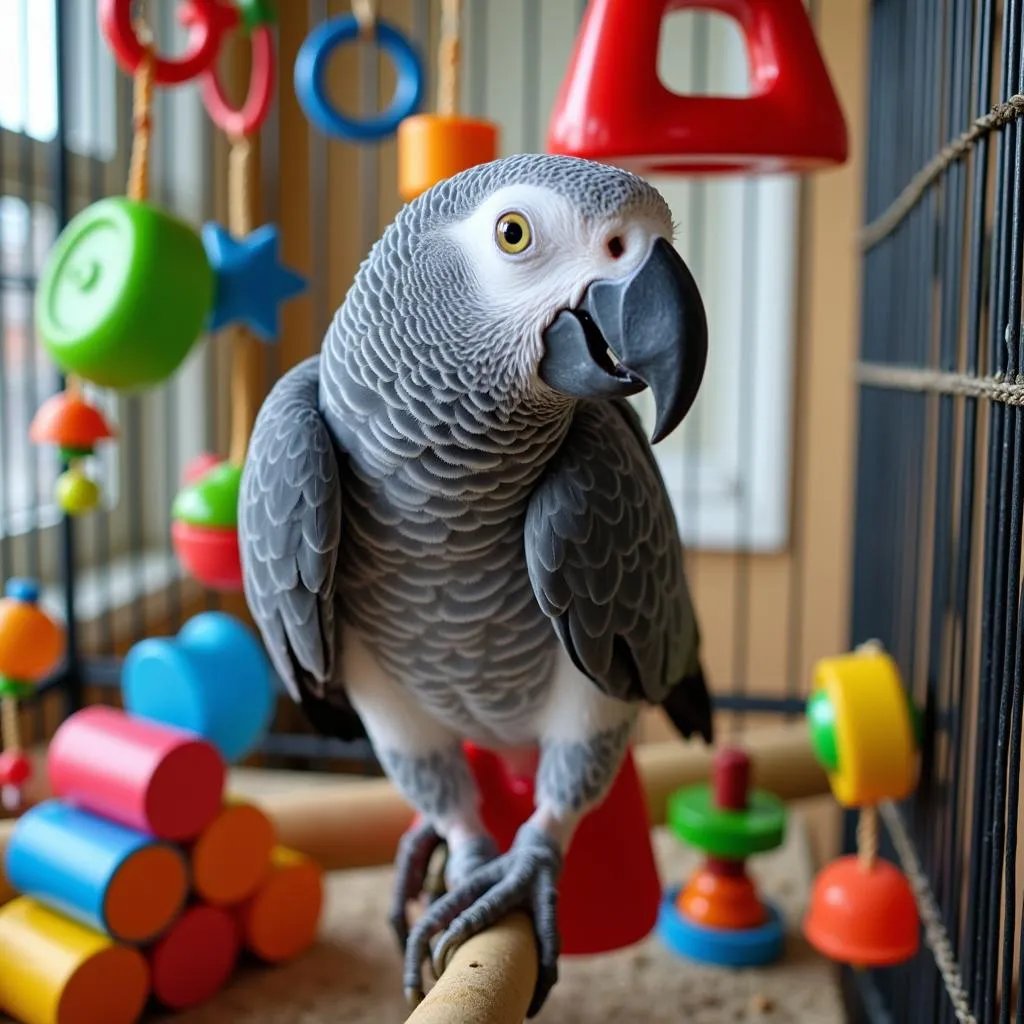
<point>55,971</point>
<point>432,147</point>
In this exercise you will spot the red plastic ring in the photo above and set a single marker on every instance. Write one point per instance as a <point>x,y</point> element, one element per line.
<point>253,112</point>
<point>208,21</point>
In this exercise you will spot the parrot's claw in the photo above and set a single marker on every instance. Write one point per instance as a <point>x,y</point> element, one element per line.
<point>526,876</point>
<point>412,863</point>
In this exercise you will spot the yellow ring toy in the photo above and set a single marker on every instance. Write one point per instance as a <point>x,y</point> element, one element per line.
<point>864,728</point>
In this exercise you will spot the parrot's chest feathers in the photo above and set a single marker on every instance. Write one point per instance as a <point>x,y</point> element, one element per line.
<point>434,571</point>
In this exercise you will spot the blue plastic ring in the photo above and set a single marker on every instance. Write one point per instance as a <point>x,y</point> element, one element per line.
<point>311,74</point>
<point>723,947</point>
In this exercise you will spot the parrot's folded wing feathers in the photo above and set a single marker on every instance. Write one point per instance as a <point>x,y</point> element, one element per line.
<point>289,532</point>
<point>605,559</point>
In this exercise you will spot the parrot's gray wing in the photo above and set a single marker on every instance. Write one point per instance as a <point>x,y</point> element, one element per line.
<point>289,531</point>
<point>605,559</point>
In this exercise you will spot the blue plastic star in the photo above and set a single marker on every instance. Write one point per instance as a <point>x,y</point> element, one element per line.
<point>251,281</point>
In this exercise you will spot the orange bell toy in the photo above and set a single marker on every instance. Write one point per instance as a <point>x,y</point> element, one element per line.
<point>432,147</point>
<point>863,914</point>
<point>865,732</point>
<point>612,106</point>
<point>76,427</point>
<point>609,893</point>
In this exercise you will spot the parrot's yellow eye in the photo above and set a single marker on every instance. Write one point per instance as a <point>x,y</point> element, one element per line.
<point>512,233</point>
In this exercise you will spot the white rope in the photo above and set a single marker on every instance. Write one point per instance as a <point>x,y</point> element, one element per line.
<point>935,935</point>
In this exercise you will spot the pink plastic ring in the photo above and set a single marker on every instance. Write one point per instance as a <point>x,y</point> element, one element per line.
<point>260,96</point>
<point>208,22</point>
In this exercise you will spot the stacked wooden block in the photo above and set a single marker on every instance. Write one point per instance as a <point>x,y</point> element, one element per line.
<point>142,879</point>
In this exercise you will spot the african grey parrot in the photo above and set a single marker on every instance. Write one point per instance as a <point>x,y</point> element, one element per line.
<point>451,521</point>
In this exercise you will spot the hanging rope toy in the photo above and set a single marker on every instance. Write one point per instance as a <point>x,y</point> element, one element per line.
<point>128,288</point>
<point>208,22</point>
<point>791,121</point>
<point>310,75</point>
<point>31,648</point>
<point>865,732</point>
<point>251,284</point>
<point>432,147</point>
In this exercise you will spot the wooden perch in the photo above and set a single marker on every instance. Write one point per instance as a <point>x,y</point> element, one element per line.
<point>489,979</point>
<point>358,823</point>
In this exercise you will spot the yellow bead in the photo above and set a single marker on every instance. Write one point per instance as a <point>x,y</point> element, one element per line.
<point>875,741</point>
<point>76,493</point>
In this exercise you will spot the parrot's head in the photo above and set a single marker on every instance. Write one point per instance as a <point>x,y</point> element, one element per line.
<point>562,272</point>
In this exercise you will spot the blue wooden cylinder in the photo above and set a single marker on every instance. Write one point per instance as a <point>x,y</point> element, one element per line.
<point>113,879</point>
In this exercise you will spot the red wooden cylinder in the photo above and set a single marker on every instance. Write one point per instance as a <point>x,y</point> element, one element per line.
<point>196,958</point>
<point>162,781</point>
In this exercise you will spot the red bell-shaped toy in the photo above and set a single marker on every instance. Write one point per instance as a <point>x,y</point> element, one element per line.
<point>609,893</point>
<point>864,916</point>
<point>613,107</point>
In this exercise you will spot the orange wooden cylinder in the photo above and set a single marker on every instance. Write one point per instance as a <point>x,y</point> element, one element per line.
<point>232,855</point>
<point>432,147</point>
<point>281,918</point>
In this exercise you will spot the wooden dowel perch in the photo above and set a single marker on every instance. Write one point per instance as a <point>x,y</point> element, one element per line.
<point>358,822</point>
<point>489,979</point>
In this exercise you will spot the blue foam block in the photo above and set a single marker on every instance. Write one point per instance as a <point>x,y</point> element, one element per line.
<point>742,947</point>
<point>213,679</point>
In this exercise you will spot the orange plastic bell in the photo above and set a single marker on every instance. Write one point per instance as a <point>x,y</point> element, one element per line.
<point>613,107</point>
<point>863,916</point>
<point>432,147</point>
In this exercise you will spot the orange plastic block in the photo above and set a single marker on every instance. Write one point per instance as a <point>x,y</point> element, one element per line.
<point>612,105</point>
<point>609,894</point>
<point>281,918</point>
<point>432,147</point>
<point>719,900</point>
<point>865,918</point>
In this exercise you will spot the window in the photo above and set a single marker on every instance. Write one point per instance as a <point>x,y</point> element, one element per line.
<point>28,76</point>
<point>728,466</point>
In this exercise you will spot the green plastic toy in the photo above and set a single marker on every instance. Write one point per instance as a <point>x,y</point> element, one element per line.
<point>124,294</point>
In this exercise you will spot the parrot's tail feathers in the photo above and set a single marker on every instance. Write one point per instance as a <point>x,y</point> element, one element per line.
<point>688,706</point>
<point>334,717</point>
<point>331,714</point>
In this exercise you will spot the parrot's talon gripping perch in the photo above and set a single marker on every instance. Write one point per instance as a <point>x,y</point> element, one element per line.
<point>412,864</point>
<point>525,877</point>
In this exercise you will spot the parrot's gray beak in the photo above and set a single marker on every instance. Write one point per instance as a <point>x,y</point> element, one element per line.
<point>646,330</point>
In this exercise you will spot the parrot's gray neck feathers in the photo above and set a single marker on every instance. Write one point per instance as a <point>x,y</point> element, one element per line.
<point>415,374</point>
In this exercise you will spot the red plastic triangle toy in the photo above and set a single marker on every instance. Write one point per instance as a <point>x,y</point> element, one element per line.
<point>610,890</point>
<point>613,107</point>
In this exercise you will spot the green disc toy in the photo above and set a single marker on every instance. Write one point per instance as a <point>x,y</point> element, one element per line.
<point>128,289</point>
<point>124,294</point>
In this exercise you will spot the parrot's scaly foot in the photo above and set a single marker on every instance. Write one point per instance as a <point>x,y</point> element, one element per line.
<point>412,863</point>
<point>526,876</point>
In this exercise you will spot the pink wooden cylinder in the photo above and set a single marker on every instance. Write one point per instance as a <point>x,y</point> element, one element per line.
<point>160,780</point>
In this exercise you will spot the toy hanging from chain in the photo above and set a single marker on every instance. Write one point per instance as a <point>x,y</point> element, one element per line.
<point>251,285</point>
<point>432,147</point>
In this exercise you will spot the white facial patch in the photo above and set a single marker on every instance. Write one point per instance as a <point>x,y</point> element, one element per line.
<point>565,253</point>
